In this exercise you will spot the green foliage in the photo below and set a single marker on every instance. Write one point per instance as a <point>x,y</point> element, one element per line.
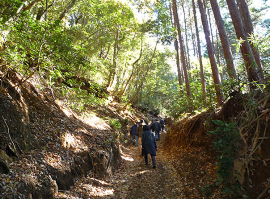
<point>233,85</point>
<point>207,190</point>
<point>115,123</point>
<point>226,144</point>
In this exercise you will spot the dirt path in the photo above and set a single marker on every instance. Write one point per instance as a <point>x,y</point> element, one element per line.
<point>140,181</point>
<point>179,175</point>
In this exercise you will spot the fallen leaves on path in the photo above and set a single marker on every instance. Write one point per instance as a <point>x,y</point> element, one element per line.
<point>176,176</point>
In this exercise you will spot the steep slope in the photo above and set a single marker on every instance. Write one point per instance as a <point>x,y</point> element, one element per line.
<point>45,145</point>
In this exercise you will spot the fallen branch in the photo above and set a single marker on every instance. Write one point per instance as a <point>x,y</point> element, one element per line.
<point>250,123</point>
<point>261,140</point>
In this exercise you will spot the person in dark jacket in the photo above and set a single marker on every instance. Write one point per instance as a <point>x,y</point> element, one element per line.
<point>162,124</point>
<point>134,134</point>
<point>156,127</point>
<point>149,145</point>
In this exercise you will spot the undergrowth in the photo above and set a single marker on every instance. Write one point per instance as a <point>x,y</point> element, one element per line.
<point>225,144</point>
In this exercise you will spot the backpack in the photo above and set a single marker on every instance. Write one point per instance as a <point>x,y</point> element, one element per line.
<point>156,126</point>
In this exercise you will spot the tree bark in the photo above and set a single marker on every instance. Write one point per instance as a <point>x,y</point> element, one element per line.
<point>175,14</point>
<point>211,53</point>
<point>187,49</point>
<point>244,11</point>
<point>192,34</point>
<point>177,52</point>
<point>253,72</point>
<point>218,51</point>
<point>224,39</point>
<point>177,62</point>
<point>199,52</point>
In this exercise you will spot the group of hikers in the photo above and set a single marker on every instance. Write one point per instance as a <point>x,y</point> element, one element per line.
<point>148,134</point>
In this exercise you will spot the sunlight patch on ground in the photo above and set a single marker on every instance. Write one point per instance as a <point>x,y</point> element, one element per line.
<point>100,181</point>
<point>95,122</point>
<point>128,158</point>
<point>97,191</point>
<point>88,118</point>
<point>140,172</point>
<point>75,142</point>
<point>66,110</point>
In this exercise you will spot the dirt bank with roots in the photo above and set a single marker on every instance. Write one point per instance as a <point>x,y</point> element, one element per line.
<point>251,162</point>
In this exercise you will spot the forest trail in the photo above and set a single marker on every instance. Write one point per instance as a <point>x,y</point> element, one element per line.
<point>174,177</point>
<point>143,181</point>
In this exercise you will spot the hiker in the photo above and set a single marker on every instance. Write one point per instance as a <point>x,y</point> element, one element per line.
<point>162,124</point>
<point>134,134</point>
<point>156,129</point>
<point>149,145</point>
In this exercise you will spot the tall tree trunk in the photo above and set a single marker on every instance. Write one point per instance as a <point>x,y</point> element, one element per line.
<point>209,19</point>
<point>175,14</point>
<point>211,53</point>
<point>199,51</point>
<point>177,62</point>
<point>253,72</point>
<point>224,39</point>
<point>218,50</point>
<point>192,34</point>
<point>187,49</point>
<point>244,11</point>
<point>177,52</point>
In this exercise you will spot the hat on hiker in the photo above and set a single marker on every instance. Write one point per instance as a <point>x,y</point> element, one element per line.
<point>142,121</point>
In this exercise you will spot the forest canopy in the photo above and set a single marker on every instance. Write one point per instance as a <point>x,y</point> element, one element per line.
<point>168,56</point>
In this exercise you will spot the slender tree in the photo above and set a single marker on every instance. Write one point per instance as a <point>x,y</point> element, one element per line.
<point>176,19</point>
<point>211,54</point>
<point>253,72</point>
<point>199,52</point>
<point>186,35</point>
<point>177,52</point>
<point>224,39</point>
<point>192,33</point>
<point>177,62</point>
<point>218,50</point>
<point>244,11</point>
